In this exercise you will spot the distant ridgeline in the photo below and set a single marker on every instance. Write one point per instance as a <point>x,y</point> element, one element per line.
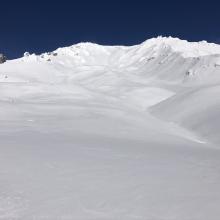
<point>2,58</point>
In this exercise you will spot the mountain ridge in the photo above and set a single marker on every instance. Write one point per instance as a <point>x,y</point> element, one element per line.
<point>202,48</point>
<point>196,61</point>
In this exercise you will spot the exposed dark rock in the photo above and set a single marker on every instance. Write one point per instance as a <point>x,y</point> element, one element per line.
<point>26,54</point>
<point>2,58</point>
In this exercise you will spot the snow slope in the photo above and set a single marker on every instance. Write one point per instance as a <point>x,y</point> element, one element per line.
<point>112,132</point>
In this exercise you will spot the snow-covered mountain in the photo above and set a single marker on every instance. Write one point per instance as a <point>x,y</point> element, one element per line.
<point>154,55</point>
<point>112,132</point>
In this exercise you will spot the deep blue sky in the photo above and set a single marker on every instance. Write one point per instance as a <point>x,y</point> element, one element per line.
<point>39,26</point>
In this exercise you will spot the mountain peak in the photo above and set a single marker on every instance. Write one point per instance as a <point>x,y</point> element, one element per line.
<point>184,47</point>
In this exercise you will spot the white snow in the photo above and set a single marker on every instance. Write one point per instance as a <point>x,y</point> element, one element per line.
<point>111,132</point>
<point>185,48</point>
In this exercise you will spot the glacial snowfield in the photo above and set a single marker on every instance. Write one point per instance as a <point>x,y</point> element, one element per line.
<point>92,132</point>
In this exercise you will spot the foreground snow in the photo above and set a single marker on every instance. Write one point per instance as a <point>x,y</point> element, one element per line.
<point>94,132</point>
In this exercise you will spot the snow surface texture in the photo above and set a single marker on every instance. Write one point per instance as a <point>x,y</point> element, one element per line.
<point>112,133</point>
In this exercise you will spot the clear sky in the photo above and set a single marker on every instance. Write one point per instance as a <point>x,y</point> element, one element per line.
<point>38,26</point>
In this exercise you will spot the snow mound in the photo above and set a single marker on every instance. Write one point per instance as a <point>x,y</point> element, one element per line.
<point>197,109</point>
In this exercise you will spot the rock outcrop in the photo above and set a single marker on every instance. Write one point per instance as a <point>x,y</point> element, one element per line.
<point>2,58</point>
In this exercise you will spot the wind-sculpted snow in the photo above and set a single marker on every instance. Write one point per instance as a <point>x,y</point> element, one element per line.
<point>197,109</point>
<point>111,132</point>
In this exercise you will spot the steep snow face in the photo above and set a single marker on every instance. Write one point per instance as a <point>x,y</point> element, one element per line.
<point>111,132</point>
